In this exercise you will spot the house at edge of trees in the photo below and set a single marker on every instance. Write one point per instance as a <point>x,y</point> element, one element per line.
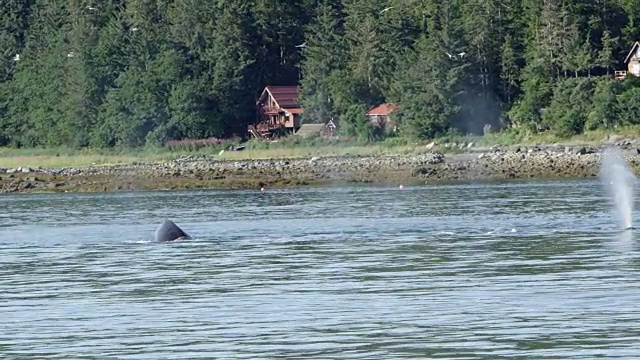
<point>278,112</point>
<point>379,116</point>
<point>633,62</point>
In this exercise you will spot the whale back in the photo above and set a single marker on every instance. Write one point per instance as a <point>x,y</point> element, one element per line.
<point>169,231</point>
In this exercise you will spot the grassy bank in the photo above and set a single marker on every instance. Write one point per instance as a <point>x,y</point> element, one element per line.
<point>287,148</point>
<point>54,158</point>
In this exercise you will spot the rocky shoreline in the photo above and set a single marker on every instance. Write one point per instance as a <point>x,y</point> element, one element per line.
<point>197,172</point>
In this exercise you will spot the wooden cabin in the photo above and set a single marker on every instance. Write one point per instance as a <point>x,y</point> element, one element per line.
<point>379,115</point>
<point>327,130</point>
<point>633,62</point>
<point>278,112</point>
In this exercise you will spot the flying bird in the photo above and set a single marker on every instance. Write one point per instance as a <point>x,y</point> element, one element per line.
<point>386,9</point>
<point>302,45</point>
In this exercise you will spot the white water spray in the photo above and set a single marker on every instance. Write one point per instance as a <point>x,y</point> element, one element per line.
<point>619,182</point>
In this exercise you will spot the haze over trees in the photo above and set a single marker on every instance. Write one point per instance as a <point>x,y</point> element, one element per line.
<point>138,72</point>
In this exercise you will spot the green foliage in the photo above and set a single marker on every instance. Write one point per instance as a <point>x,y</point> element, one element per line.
<point>356,124</point>
<point>629,107</point>
<point>509,70</point>
<point>571,103</point>
<point>537,91</point>
<point>122,74</point>
<point>324,63</point>
<point>107,75</point>
<point>604,111</point>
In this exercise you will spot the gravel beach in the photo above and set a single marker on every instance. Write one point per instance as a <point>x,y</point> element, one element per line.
<point>198,172</point>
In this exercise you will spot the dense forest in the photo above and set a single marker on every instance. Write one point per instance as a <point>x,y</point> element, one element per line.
<point>138,72</point>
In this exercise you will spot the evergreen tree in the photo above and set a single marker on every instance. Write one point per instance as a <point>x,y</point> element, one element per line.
<point>227,64</point>
<point>277,28</point>
<point>509,73</point>
<point>324,56</point>
<point>426,88</point>
<point>14,21</point>
<point>605,58</point>
<point>363,42</point>
<point>398,27</point>
<point>604,110</point>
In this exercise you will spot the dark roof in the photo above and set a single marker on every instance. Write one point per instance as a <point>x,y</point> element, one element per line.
<point>285,96</point>
<point>307,130</point>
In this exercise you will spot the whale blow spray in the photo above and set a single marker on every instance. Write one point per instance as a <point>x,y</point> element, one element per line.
<point>619,182</point>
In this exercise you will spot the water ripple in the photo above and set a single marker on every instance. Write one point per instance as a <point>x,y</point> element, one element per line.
<point>508,270</point>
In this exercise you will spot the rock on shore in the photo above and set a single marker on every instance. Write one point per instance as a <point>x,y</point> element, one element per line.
<point>208,172</point>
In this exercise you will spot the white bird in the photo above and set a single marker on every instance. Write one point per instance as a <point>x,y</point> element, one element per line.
<point>302,45</point>
<point>462,54</point>
<point>16,58</point>
<point>71,54</point>
<point>450,56</point>
<point>386,9</point>
<point>134,29</point>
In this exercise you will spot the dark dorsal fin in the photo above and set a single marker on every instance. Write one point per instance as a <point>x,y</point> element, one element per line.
<point>169,231</point>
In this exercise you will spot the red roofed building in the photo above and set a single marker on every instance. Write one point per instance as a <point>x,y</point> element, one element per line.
<point>278,110</point>
<point>379,115</point>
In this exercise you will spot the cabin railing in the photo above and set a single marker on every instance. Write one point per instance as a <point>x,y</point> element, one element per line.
<point>620,74</point>
<point>270,110</point>
<point>263,130</point>
<point>267,127</point>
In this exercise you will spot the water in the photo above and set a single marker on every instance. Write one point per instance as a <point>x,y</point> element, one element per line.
<point>529,270</point>
<point>619,182</point>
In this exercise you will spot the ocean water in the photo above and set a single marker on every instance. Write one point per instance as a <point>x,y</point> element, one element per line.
<point>527,270</point>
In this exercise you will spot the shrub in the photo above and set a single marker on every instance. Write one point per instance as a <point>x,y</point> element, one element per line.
<point>629,107</point>
<point>571,103</point>
<point>194,144</point>
<point>604,110</point>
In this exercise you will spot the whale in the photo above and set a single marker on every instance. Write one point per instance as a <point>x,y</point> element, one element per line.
<point>169,231</point>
